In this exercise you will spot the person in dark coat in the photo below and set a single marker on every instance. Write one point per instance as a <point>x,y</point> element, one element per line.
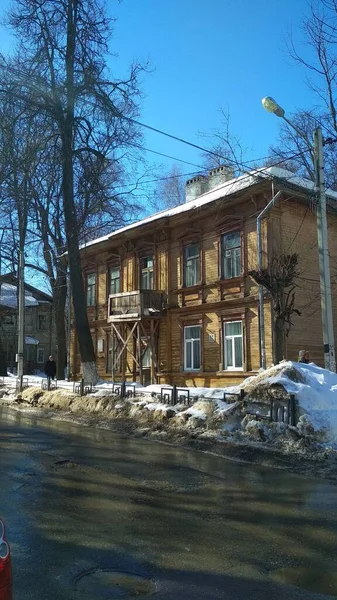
<point>50,367</point>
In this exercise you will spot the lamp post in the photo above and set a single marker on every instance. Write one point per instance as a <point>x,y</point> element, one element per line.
<point>316,151</point>
<point>21,327</point>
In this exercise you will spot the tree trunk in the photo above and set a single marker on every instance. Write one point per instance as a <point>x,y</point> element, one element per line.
<point>59,297</point>
<point>278,346</point>
<point>66,122</point>
<point>85,342</point>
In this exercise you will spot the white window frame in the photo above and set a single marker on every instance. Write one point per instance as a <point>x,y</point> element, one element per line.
<point>232,337</point>
<point>191,341</point>
<point>231,252</point>
<point>43,356</point>
<point>193,262</point>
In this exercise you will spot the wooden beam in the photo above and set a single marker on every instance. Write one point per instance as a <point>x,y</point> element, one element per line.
<point>139,340</point>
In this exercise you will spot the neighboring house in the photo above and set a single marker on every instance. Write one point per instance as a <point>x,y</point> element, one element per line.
<point>170,299</point>
<point>39,340</point>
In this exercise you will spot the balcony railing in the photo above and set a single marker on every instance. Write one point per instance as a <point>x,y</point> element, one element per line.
<point>135,305</point>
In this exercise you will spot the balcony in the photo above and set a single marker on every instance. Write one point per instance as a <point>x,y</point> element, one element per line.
<point>137,305</point>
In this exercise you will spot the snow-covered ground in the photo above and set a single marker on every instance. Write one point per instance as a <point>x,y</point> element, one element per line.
<point>315,390</point>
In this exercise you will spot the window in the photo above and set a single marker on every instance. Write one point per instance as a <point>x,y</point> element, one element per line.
<point>43,322</point>
<point>233,346</point>
<point>191,265</point>
<point>9,319</point>
<point>146,273</point>
<point>40,355</point>
<point>146,358</point>
<point>231,255</point>
<point>115,280</point>
<point>29,321</point>
<point>91,289</point>
<point>192,348</point>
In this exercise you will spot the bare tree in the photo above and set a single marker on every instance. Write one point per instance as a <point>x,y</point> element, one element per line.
<point>318,59</point>
<point>225,147</point>
<point>278,278</point>
<point>60,73</point>
<point>170,189</point>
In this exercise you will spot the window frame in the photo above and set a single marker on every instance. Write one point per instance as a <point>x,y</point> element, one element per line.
<point>223,235</point>
<point>119,279</point>
<point>185,262</point>
<point>41,362</point>
<point>185,367</point>
<point>44,316</point>
<point>92,286</point>
<point>147,271</point>
<point>233,337</point>
<point>29,321</point>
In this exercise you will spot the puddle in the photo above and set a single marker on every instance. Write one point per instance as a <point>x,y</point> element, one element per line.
<point>314,580</point>
<point>109,585</point>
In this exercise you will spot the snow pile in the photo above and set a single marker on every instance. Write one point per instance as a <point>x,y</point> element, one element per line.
<point>315,390</point>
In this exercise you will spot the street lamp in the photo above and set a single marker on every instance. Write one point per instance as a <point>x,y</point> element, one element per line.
<point>316,151</point>
<point>21,328</point>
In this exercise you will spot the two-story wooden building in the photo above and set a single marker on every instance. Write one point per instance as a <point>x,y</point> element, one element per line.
<point>170,299</point>
<point>39,324</point>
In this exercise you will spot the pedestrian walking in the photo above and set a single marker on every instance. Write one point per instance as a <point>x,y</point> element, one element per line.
<point>50,367</point>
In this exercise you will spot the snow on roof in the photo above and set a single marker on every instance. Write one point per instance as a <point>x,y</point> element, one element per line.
<point>8,296</point>
<point>223,190</point>
<point>31,341</point>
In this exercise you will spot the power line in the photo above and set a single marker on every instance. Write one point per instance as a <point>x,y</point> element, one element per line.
<point>165,155</point>
<point>248,174</point>
<point>206,150</point>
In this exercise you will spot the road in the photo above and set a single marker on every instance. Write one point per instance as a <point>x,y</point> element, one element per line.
<point>86,508</point>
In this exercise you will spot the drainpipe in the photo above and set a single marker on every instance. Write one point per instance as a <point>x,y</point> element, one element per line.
<point>259,263</point>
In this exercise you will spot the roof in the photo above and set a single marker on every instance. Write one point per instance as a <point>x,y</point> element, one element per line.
<point>223,190</point>
<point>31,341</point>
<point>8,293</point>
<point>8,296</point>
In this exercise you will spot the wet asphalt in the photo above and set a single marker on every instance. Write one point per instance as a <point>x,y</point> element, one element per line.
<point>81,502</point>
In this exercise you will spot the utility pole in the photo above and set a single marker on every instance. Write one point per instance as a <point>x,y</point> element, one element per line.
<point>316,152</point>
<point>21,328</point>
<point>68,325</point>
<point>323,255</point>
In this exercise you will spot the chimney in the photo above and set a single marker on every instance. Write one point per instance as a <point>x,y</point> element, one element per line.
<point>220,175</point>
<point>196,187</point>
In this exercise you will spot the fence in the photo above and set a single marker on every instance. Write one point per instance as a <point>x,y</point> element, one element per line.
<point>282,410</point>
<point>48,384</point>
<point>175,395</point>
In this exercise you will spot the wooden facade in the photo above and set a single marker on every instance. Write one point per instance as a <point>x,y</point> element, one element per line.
<point>184,309</point>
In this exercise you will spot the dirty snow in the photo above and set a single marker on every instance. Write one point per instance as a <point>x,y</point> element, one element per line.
<point>316,396</point>
<point>315,390</point>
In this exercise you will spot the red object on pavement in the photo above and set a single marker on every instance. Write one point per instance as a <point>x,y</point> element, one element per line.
<point>5,566</point>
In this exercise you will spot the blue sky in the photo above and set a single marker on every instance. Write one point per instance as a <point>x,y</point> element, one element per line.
<point>204,55</point>
<point>208,54</point>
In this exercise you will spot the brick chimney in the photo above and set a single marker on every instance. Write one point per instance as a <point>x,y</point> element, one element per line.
<point>220,175</point>
<point>196,187</point>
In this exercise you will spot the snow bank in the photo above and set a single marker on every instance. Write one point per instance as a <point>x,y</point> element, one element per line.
<point>315,390</point>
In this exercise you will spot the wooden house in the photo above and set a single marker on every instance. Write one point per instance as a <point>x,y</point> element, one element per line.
<point>39,337</point>
<point>170,299</point>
